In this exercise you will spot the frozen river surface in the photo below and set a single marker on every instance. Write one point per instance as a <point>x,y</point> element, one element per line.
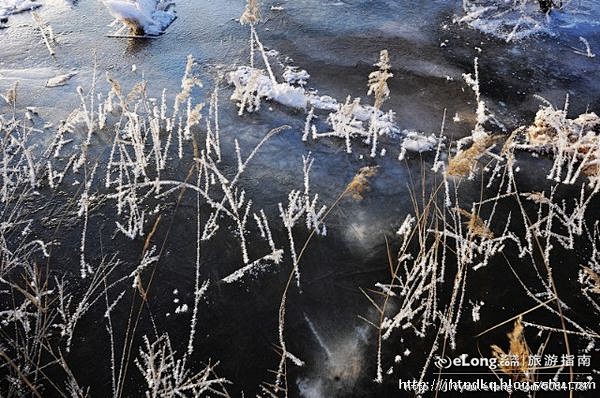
<point>336,42</point>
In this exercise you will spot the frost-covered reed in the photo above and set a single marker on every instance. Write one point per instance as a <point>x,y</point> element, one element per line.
<point>440,244</point>
<point>443,235</point>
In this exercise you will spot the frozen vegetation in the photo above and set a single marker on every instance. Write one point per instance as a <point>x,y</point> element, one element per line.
<point>349,120</point>
<point>515,20</point>
<point>508,20</point>
<point>101,190</point>
<point>417,299</point>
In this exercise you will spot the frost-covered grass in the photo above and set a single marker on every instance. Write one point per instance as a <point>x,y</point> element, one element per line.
<point>445,240</point>
<point>147,136</point>
<point>510,20</point>
<point>42,306</point>
<point>62,184</point>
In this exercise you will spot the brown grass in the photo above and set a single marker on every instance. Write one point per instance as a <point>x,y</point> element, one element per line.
<point>592,170</point>
<point>134,27</point>
<point>515,362</point>
<point>360,182</point>
<point>251,15</point>
<point>595,278</point>
<point>11,95</point>
<point>537,197</point>
<point>476,225</point>
<point>378,80</point>
<point>464,162</point>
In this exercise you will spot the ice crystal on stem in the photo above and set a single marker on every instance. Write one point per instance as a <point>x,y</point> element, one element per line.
<point>573,143</point>
<point>167,375</point>
<point>301,204</point>
<point>378,87</point>
<point>510,20</point>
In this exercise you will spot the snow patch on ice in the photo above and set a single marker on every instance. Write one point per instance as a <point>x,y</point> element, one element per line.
<point>150,17</point>
<point>293,75</point>
<point>252,86</point>
<point>285,94</point>
<point>418,142</point>
<point>9,7</point>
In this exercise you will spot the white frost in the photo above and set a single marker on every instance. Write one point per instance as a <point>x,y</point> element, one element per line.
<point>509,21</point>
<point>293,75</point>
<point>418,142</point>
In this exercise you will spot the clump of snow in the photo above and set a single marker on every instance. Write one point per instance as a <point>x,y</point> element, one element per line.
<point>285,94</point>
<point>348,122</point>
<point>293,75</point>
<point>181,309</point>
<point>143,17</point>
<point>345,123</point>
<point>9,7</point>
<point>252,86</point>
<point>418,142</point>
<point>324,102</point>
